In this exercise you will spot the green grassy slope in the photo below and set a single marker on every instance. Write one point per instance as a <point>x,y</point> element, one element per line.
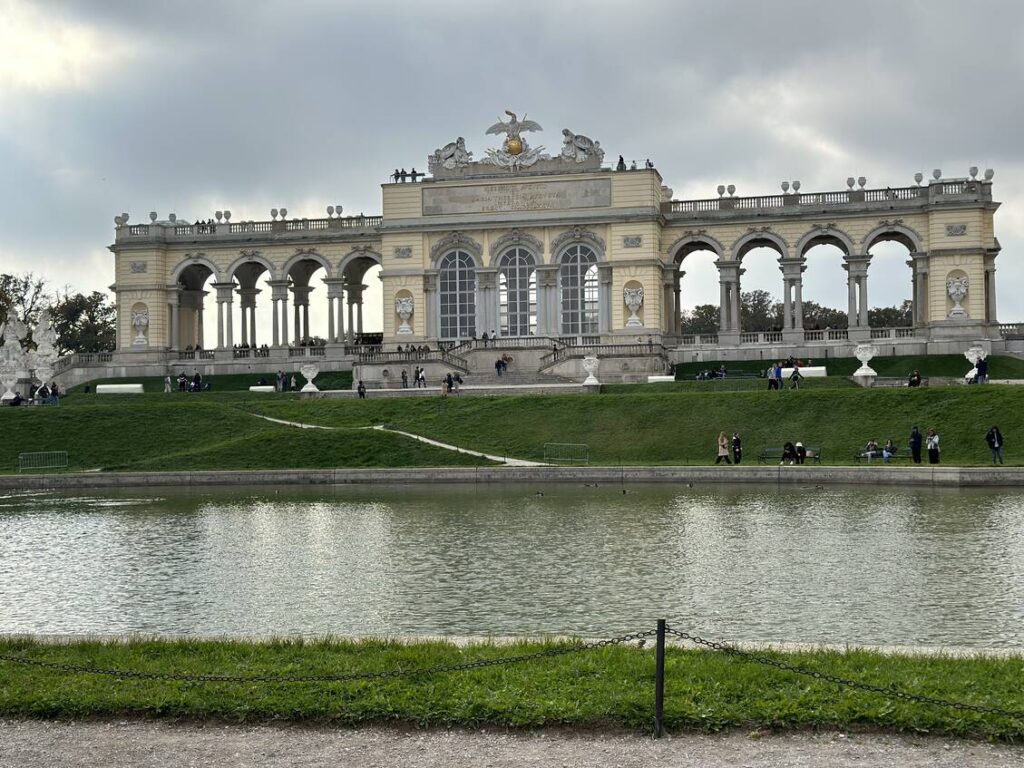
<point>228,382</point>
<point>681,428</point>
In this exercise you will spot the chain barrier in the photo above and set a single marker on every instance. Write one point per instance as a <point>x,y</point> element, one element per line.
<point>341,678</point>
<point>892,693</point>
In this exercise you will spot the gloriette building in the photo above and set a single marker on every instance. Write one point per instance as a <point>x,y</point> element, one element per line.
<point>552,250</point>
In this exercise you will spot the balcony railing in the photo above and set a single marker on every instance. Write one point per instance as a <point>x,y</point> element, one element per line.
<point>219,229</point>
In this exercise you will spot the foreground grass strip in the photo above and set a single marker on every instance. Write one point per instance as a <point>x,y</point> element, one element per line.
<point>610,686</point>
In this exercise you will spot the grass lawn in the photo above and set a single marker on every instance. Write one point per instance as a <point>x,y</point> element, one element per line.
<point>599,688</point>
<point>229,382</point>
<point>645,424</point>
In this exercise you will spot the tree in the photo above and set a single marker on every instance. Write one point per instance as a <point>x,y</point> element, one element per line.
<point>84,323</point>
<point>21,296</point>
<point>817,317</point>
<point>892,317</point>
<point>758,312</point>
<point>703,319</point>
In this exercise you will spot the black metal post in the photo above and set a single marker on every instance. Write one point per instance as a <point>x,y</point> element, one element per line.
<point>659,682</point>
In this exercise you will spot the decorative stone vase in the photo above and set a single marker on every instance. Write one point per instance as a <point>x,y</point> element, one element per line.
<point>590,365</point>
<point>975,353</point>
<point>44,372</point>
<point>864,352</point>
<point>404,308</point>
<point>957,289</point>
<point>309,372</point>
<point>140,322</point>
<point>8,379</point>
<point>634,298</point>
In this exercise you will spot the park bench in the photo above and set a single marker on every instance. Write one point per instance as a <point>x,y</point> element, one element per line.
<point>775,454</point>
<point>896,455</point>
<point>43,460</point>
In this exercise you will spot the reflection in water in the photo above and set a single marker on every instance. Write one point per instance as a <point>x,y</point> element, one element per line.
<point>835,565</point>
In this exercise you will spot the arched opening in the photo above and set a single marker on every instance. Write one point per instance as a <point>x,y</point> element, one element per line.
<point>360,310</point>
<point>456,284</point>
<point>307,289</point>
<point>194,319</point>
<point>760,287</point>
<point>578,289</point>
<point>891,279</point>
<point>250,307</point>
<point>697,289</point>
<point>517,293</point>
<point>824,292</point>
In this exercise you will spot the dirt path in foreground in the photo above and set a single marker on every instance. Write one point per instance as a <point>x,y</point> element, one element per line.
<point>133,744</point>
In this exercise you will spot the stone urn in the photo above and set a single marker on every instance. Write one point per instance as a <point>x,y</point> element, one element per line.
<point>634,299</point>
<point>590,365</point>
<point>309,372</point>
<point>973,354</point>
<point>140,322</point>
<point>44,372</point>
<point>8,379</point>
<point>864,352</point>
<point>957,289</point>
<point>404,308</point>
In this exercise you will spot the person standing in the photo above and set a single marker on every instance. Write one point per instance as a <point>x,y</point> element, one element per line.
<point>981,371</point>
<point>167,383</point>
<point>994,438</point>
<point>932,444</point>
<point>916,438</point>
<point>723,449</point>
<point>737,448</point>
<point>405,379</point>
<point>361,389</point>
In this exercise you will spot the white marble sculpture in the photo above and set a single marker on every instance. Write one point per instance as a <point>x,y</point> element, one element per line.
<point>576,148</point>
<point>404,308</point>
<point>515,152</point>
<point>140,322</point>
<point>957,287</point>
<point>634,298</point>
<point>590,365</point>
<point>450,157</point>
<point>8,379</point>
<point>309,372</point>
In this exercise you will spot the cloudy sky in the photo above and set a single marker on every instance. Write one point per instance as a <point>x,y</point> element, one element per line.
<point>110,106</point>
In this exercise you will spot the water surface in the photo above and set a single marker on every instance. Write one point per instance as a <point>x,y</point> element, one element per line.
<point>833,564</point>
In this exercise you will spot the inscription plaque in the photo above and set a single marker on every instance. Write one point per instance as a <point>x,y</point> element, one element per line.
<point>534,196</point>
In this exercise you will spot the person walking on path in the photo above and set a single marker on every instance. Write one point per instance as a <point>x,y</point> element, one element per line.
<point>723,449</point>
<point>916,438</point>
<point>737,448</point>
<point>933,446</point>
<point>994,438</point>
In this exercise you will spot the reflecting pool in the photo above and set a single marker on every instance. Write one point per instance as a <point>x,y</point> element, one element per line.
<point>878,566</point>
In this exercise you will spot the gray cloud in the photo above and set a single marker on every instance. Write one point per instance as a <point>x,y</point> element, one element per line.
<point>248,105</point>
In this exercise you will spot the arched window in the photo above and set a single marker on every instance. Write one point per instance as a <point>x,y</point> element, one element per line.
<point>577,280</point>
<point>457,290</point>
<point>517,293</point>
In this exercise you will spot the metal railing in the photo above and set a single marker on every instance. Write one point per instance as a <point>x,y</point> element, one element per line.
<point>42,460</point>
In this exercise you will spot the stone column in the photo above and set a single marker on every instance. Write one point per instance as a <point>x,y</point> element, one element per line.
<point>724,315</point>
<point>787,307</point>
<point>864,300</point>
<point>430,311</point>
<point>247,300</point>
<point>604,298</point>
<point>799,306</point>
<point>252,323</point>
<point>173,300</point>
<point>225,333</point>
<point>547,300</point>
<point>199,321</point>
<point>279,298</point>
<point>678,315</point>
<point>668,305</point>
<point>792,280</point>
<point>990,290</point>
<point>487,300</point>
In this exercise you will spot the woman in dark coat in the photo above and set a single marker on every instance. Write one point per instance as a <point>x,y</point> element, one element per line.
<point>916,438</point>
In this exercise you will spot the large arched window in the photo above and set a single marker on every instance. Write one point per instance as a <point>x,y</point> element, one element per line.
<point>457,290</point>
<point>577,280</point>
<point>517,293</point>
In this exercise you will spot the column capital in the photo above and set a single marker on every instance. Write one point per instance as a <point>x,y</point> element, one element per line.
<point>225,292</point>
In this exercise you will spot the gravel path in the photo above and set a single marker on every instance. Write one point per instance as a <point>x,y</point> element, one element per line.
<point>157,744</point>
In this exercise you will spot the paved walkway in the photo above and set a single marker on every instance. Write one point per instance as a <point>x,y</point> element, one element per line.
<point>447,446</point>
<point>161,744</point>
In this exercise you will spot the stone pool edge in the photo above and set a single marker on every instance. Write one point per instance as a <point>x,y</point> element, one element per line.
<point>937,476</point>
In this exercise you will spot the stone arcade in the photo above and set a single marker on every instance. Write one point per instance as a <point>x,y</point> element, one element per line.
<point>555,252</point>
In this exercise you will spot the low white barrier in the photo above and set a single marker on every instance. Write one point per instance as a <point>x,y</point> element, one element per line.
<point>263,388</point>
<point>118,389</point>
<point>653,379</point>
<point>808,372</point>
